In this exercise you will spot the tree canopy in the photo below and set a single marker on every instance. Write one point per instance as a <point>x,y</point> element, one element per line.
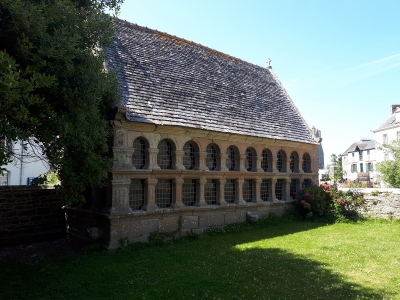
<point>54,89</point>
<point>390,169</point>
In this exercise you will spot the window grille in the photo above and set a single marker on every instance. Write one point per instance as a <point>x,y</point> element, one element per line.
<point>293,188</point>
<point>361,167</point>
<point>264,190</point>
<point>370,167</point>
<point>139,154</point>
<point>164,156</point>
<point>249,160</point>
<point>354,168</point>
<point>164,193</point>
<point>211,160</point>
<point>306,163</point>
<point>248,190</point>
<point>360,154</point>
<point>292,162</point>
<point>230,159</point>
<point>210,192</point>
<point>136,194</point>
<point>264,161</point>
<point>189,158</point>
<point>307,182</point>
<point>279,189</point>
<point>230,191</point>
<point>279,161</point>
<point>189,192</point>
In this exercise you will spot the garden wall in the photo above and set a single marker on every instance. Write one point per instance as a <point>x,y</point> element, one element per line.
<point>380,203</point>
<point>29,213</point>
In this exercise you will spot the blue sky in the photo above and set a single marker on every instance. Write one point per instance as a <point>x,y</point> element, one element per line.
<point>338,60</point>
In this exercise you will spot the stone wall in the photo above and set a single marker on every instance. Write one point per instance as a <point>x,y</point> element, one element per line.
<point>380,203</point>
<point>112,230</point>
<point>30,214</point>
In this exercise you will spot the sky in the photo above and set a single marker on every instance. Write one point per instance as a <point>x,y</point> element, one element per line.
<point>338,60</point>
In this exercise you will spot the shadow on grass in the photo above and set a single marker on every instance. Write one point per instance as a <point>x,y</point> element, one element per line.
<point>190,268</point>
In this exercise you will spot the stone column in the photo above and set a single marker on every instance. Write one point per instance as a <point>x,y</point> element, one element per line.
<point>300,184</point>
<point>287,165</point>
<point>242,166</point>
<point>273,185</point>
<point>239,189</point>
<point>258,191</point>
<point>202,161</point>
<point>258,165</point>
<point>177,201</point>
<point>274,161</point>
<point>178,160</point>
<point>201,200</point>
<point>222,159</point>
<point>287,189</point>
<point>150,202</point>
<point>152,159</point>
<point>120,197</point>
<point>221,194</point>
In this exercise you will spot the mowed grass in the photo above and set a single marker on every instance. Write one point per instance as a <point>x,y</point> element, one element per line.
<point>277,260</point>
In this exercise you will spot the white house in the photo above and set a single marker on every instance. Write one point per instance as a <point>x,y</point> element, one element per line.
<point>359,159</point>
<point>21,171</point>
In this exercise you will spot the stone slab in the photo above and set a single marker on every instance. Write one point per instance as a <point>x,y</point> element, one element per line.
<point>235,217</point>
<point>190,222</point>
<point>212,219</point>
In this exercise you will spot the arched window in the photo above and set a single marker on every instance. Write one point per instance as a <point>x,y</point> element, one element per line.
<point>249,160</point>
<point>306,165</point>
<point>231,159</point>
<point>279,161</point>
<point>189,157</point>
<point>211,159</point>
<point>265,162</point>
<point>136,194</point>
<point>139,154</point>
<point>164,156</point>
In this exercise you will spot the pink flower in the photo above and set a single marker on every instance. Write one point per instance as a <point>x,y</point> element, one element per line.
<point>294,193</point>
<point>307,194</point>
<point>302,201</point>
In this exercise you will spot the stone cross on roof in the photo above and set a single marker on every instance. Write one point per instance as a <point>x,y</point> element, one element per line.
<point>269,62</point>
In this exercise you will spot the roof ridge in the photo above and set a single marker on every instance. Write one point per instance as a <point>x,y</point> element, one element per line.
<point>189,43</point>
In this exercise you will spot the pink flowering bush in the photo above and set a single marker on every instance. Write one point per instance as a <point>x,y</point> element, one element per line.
<point>314,201</point>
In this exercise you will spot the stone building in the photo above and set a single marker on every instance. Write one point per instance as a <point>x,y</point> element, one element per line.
<point>201,139</point>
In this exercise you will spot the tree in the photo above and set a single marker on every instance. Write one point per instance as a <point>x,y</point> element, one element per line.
<point>54,89</point>
<point>336,172</point>
<point>390,169</point>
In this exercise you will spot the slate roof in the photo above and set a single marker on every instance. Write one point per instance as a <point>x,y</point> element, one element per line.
<point>167,80</point>
<point>389,122</point>
<point>360,145</point>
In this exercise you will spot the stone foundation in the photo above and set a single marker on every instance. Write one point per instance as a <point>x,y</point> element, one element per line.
<point>168,223</point>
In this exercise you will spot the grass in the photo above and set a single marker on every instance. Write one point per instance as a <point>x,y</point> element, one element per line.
<point>270,260</point>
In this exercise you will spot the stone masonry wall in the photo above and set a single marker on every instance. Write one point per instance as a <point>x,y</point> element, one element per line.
<point>380,203</point>
<point>30,214</point>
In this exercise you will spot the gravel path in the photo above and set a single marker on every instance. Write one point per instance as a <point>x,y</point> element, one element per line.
<point>38,251</point>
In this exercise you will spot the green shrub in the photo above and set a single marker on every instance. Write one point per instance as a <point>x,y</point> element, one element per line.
<point>314,201</point>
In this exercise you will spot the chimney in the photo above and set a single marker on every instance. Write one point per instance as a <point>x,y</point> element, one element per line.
<point>393,108</point>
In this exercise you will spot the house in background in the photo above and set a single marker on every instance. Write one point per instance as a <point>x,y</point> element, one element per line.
<point>358,161</point>
<point>387,132</point>
<point>28,165</point>
<point>201,139</point>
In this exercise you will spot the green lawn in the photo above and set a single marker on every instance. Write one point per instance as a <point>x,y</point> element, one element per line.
<point>296,260</point>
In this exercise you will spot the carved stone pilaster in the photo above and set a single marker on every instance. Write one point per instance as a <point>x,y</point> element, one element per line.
<point>242,166</point>
<point>201,200</point>
<point>222,159</point>
<point>257,198</point>
<point>202,161</point>
<point>287,196</point>
<point>240,199</point>
<point>150,203</point>
<point>221,198</point>
<point>179,160</point>
<point>177,202</point>
<point>119,197</point>
<point>123,158</point>
<point>258,164</point>
<point>274,162</point>
<point>152,154</point>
